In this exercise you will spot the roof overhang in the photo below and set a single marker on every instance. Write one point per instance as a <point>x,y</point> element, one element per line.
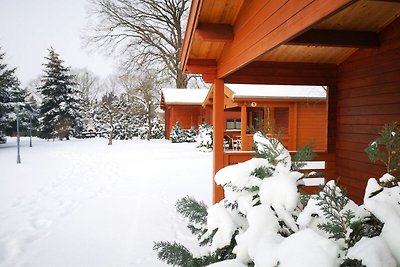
<point>234,99</point>
<point>280,42</point>
<point>182,97</point>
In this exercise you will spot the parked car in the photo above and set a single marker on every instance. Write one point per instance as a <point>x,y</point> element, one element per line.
<point>3,138</point>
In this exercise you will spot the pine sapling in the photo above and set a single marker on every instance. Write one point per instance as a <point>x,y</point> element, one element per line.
<point>178,134</point>
<point>303,155</point>
<point>342,223</point>
<point>332,201</point>
<point>196,213</point>
<point>386,149</point>
<point>174,254</point>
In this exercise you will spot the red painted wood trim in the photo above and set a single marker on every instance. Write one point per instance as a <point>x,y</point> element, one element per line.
<point>335,38</point>
<point>202,66</point>
<point>293,73</point>
<point>213,32</point>
<point>218,135</point>
<point>190,31</point>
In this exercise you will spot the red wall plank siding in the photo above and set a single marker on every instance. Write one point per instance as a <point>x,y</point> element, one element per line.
<point>368,97</point>
<point>187,116</point>
<point>311,125</point>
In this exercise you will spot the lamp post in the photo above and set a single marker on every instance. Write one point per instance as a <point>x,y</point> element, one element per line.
<point>30,130</point>
<point>18,155</point>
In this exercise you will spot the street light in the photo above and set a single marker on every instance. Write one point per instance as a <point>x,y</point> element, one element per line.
<point>18,155</point>
<point>30,130</point>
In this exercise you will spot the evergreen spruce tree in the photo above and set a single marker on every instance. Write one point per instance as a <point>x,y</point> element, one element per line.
<point>11,96</point>
<point>157,131</point>
<point>123,118</point>
<point>61,107</point>
<point>191,135</point>
<point>178,134</point>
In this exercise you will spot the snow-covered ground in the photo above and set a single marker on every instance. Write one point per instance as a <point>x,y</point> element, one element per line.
<point>84,203</point>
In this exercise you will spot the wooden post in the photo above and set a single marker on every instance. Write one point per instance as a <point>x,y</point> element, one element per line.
<point>292,131</point>
<point>243,128</point>
<point>331,116</point>
<point>218,135</point>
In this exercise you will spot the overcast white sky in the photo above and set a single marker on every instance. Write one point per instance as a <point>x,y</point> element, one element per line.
<point>29,27</point>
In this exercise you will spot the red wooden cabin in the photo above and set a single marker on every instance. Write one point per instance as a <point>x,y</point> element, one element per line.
<point>294,114</point>
<point>352,47</point>
<point>185,106</point>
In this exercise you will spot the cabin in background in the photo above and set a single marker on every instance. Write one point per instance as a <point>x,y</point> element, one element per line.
<point>295,114</point>
<point>185,106</point>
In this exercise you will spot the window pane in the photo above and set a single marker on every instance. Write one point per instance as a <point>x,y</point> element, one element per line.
<point>230,124</point>
<point>238,124</point>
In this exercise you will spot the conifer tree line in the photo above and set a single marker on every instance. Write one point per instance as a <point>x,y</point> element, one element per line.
<point>67,103</point>
<point>12,98</point>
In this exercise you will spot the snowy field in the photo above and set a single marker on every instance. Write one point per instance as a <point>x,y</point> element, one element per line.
<point>84,203</point>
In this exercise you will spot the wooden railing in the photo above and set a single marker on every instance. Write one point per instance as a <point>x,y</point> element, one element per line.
<point>324,162</point>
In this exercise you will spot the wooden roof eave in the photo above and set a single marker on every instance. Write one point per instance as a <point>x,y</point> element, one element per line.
<point>208,99</point>
<point>290,19</point>
<point>282,22</point>
<point>227,92</point>
<point>279,99</point>
<point>190,31</point>
<point>182,104</point>
<point>162,101</point>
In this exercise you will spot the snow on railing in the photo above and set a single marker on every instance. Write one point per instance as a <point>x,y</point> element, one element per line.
<point>319,165</point>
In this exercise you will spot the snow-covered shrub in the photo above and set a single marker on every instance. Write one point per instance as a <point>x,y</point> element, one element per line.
<point>178,134</point>
<point>262,222</point>
<point>142,131</point>
<point>204,139</point>
<point>157,130</point>
<point>191,135</point>
<point>223,230</point>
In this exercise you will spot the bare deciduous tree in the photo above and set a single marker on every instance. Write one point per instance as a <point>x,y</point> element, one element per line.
<point>111,109</point>
<point>148,33</point>
<point>108,103</point>
<point>144,89</point>
<point>87,83</point>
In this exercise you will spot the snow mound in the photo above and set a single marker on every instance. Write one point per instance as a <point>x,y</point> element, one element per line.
<point>373,252</point>
<point>302,249</point>
<point>227,263</point>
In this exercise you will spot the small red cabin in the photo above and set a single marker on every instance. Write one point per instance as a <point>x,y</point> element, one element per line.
<point>185,106</point>
<point>296,114</point>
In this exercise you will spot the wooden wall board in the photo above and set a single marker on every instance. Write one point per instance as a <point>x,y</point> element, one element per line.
<point>369,96</point>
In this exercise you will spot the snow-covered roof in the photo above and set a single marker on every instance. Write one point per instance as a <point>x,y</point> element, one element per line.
<point>276,91</point>
<point>184,96</point>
